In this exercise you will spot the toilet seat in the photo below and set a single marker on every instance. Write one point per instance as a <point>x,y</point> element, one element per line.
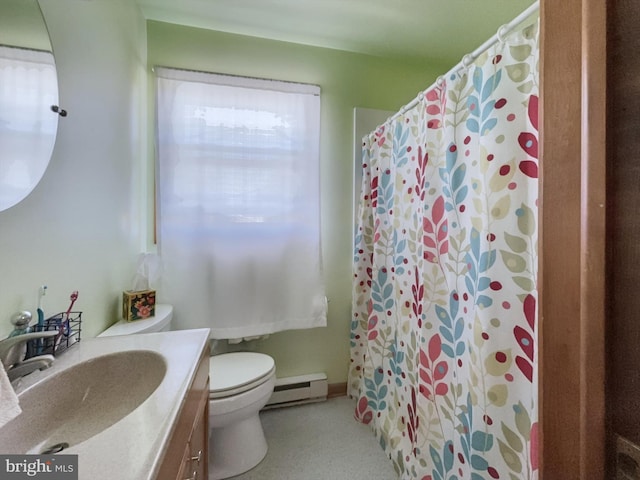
<point>233,373</point>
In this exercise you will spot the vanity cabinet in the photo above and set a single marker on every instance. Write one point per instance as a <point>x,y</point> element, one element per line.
<point>186,456</point>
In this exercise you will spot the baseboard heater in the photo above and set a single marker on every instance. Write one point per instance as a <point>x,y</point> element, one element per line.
<point>298,390</point>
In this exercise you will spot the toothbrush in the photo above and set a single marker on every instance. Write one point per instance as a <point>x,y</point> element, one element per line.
<point>41,293</point>
<point>65,324</point>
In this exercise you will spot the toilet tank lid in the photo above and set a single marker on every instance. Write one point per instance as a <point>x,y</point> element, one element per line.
<point>163,315</point>
<point>232,370</point>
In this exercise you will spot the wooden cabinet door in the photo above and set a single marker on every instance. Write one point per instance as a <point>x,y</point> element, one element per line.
<point>200,440</point>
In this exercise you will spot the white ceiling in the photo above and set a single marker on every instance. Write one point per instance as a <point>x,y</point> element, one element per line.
<point>418,30</point>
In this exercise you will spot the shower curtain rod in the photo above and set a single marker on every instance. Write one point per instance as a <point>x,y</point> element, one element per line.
<point>470,57</point>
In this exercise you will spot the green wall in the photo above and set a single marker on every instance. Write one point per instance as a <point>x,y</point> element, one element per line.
<point>21,25</point>
<point>347,80</point>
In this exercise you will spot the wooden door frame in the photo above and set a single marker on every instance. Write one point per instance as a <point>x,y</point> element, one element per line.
<point>572,239</point>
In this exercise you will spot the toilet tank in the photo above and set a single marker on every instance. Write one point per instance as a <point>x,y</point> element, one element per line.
<point>160,322</point>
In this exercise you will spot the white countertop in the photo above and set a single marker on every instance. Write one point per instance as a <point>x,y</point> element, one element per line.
<point>132,448</point>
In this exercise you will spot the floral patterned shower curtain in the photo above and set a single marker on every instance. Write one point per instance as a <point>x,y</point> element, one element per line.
<point>443,335</point>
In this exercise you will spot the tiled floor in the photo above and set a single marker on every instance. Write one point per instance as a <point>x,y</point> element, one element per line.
<point>320,441</point>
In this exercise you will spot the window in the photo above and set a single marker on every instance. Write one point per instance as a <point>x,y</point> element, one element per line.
<point>238,171</point>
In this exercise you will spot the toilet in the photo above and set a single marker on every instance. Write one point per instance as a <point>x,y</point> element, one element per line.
<point>240,385</point>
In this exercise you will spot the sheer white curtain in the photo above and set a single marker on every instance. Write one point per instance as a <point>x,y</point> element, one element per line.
<point>238,201</point>
<point>28,86</point>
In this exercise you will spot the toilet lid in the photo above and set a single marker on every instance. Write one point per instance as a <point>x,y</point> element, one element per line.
<point>162,317</point>
<point>237,372</point>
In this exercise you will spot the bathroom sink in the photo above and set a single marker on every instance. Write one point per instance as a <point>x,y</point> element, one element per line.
<point>73,405</point>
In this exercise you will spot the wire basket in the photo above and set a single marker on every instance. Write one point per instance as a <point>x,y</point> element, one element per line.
<point>68,328</point>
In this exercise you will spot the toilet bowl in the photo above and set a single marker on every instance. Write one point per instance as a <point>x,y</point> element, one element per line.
<point>240,385</point>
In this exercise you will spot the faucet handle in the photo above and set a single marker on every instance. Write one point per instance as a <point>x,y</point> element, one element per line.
<point>21,319</point>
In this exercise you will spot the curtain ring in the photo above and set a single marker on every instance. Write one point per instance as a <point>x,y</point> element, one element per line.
<point>503,31</point>
<point>439,81</point>
<point>467,60</point>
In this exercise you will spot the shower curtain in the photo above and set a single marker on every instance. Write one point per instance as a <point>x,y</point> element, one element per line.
<point>443,334</point>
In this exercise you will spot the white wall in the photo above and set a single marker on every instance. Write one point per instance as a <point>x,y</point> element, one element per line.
<point>82,227</point>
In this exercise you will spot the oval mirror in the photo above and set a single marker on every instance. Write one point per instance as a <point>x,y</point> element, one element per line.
<point>28,90</point>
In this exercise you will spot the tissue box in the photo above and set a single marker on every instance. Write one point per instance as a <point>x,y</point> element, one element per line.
<point>139,304</point>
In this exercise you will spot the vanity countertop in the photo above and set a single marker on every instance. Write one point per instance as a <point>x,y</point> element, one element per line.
<point>132,448</point>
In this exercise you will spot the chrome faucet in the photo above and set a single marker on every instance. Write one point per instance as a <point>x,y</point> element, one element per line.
<point>13,350</point>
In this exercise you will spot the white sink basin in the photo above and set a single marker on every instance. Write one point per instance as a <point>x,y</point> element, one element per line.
<point>75,404</point>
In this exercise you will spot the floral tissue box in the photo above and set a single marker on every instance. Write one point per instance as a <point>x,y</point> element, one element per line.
<point>137,305</point>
